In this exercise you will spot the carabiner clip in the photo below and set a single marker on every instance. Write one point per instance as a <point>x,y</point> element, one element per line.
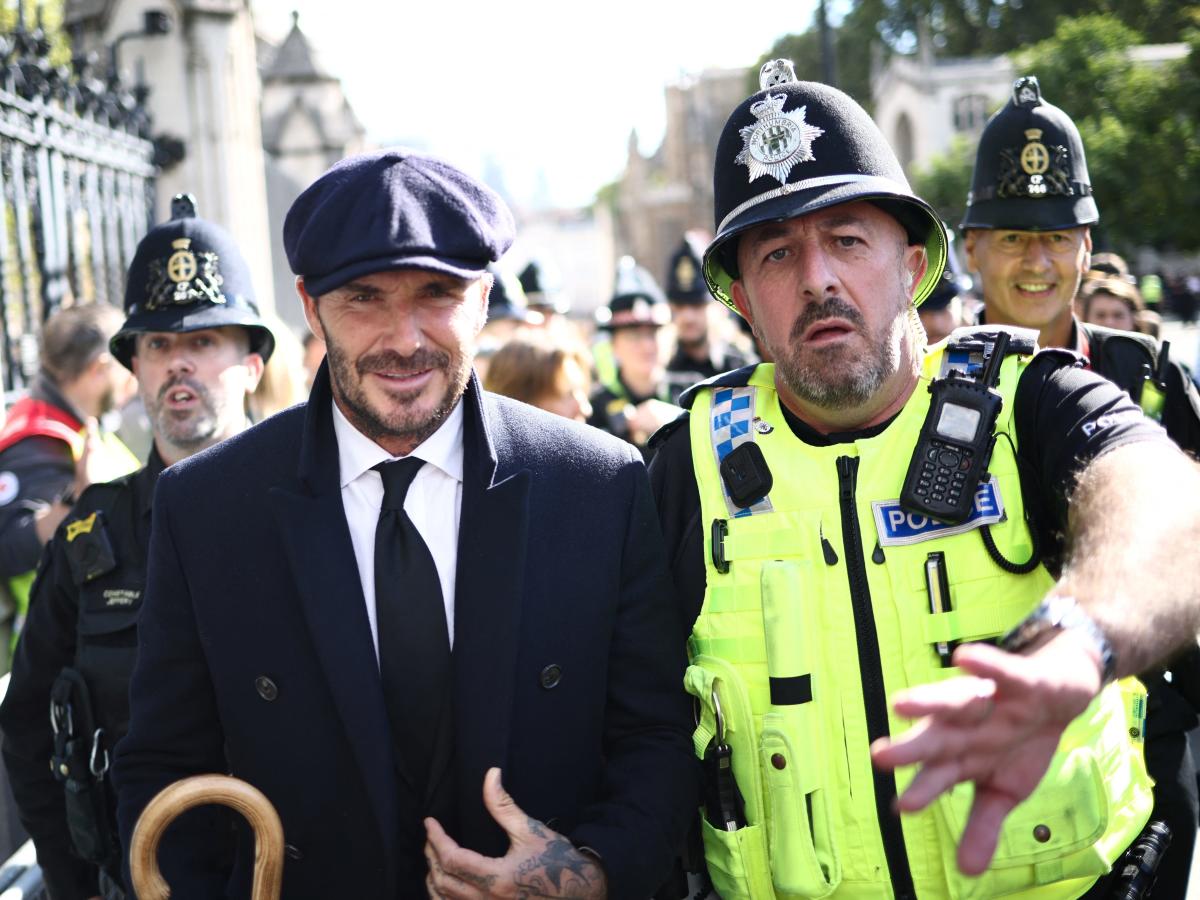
<point>718,718</point>
<point>98,771</point>
<point>58,712</point>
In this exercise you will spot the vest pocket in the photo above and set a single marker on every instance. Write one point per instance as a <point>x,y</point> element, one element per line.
<point>1050,837</point>
<point>737,862</point>
<point>804,860</point>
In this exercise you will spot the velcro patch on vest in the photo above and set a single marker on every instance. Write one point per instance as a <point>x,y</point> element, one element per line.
<point>897,526</point>
<point>732,425</point>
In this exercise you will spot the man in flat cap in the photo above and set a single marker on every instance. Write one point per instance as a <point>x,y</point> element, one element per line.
<point>375,606</point>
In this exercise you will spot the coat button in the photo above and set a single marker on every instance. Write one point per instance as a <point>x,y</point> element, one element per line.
<point>550,676</point>
<point>291,851</point>
<point>266,687</point>
<point>1041,834</point>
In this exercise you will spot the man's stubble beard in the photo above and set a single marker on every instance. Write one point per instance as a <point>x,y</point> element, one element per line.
<point>346,378</point>
<point>191,432</point>
<point>834,377</point>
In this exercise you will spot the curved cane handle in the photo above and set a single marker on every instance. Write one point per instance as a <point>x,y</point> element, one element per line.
<point>201,790</point>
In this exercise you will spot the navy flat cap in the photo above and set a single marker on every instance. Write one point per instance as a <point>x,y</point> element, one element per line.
<point>395,209</point>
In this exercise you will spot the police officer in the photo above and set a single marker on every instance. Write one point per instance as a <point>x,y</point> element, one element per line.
<point>634,394</point>
<point>542,294</point>
<point>699,354</point>
<point>842,544</point>
<point>195,341</point>
<point>1028,234</point>
<point>942,310</point>
<point>52,445</point>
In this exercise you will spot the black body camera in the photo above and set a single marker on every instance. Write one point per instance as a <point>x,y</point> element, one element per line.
<point>955,445</point>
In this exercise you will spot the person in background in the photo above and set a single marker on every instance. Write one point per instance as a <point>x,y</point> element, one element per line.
<point>314,355</point>
<point>1111,302</point>
<point>283,381</point>
<point>52,444</point>
<point>1027,232</point>
<point>536,368</point>
<point>193,338</point>
<point>635,395</point>
<point>700,350</point>
<point>508,313</point>
<point>543,295</point>
<point>942,311</point>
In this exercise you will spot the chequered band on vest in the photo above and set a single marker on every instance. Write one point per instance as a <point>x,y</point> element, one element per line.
<point>733,425</point>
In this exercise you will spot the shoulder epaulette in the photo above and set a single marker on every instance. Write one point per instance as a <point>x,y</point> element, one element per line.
<point>660,437</point>
<point>736,378</point>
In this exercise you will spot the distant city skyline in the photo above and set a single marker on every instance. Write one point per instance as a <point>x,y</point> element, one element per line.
<point>539,99</point>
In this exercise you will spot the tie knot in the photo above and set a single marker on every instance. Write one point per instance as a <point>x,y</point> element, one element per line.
<point>397,475</point>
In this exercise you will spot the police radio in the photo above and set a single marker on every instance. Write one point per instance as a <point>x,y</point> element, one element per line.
<point>955,444</point>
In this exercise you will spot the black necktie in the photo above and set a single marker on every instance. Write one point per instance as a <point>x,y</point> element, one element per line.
<point>414,645</point>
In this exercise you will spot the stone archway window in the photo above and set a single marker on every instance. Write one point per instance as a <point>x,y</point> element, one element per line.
<point>970,112</point>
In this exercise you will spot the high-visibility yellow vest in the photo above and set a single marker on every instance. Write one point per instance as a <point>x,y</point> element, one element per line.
<point>780,643</point>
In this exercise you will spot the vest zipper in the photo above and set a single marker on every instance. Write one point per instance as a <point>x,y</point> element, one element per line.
<point>874,695</point>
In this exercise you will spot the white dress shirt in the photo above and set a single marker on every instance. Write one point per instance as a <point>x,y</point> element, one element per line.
<point>433,503</point>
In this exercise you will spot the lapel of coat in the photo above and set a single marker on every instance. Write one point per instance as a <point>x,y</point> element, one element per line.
<point>491,565</point>
<point>312,526</point>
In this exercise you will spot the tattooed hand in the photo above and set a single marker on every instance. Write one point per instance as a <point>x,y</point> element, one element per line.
<point>539,863</point>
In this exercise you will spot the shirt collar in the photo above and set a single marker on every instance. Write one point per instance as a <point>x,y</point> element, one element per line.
<point>357,453</point>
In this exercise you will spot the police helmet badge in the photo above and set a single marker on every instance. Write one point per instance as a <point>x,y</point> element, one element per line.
<point>778,140</point>
<point>184,278</point>
<point>685,274</point>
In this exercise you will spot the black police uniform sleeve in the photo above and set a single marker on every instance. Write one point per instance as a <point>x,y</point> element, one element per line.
<point>47,644</point>
<point>635,829</point>
<point>1066,417</point>
<point>44,471</point>
<point>677,497</point>
<point>163,745</point>
<point>1181,411</point>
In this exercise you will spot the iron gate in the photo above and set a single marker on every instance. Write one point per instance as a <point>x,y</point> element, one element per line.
<point>76,191</point>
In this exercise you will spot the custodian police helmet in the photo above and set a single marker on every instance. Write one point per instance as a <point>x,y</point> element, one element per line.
<point>685,284</point>
<point>1030,171</point>
<point>188,275</point>
<point>796,147</point>
<point>637,299</point>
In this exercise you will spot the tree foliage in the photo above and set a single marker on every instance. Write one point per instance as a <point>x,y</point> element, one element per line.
<point>958,28</point>
<point>1140,126</point>
<point>40,15</point>
<point>1140,123</point>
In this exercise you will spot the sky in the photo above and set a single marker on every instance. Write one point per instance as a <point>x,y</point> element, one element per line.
<point>543,94</point>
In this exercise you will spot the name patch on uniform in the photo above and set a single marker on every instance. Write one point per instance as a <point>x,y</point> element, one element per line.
<point>897,526</point>
<point>120,597</point>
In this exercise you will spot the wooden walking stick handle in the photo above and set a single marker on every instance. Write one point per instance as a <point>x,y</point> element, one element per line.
<point>201,790</point>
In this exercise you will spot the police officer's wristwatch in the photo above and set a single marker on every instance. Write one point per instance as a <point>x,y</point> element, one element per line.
<point>1058,613</point>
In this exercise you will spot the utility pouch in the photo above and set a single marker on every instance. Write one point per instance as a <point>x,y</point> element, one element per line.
<point>802,849</point>
<point>80,763</point>
<point>736,859</point>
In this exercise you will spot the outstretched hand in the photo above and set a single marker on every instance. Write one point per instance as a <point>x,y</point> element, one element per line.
<point>997,726</point>
<point>540,862</point>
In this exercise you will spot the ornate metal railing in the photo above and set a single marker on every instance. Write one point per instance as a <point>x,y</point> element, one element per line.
<point>77,171</point>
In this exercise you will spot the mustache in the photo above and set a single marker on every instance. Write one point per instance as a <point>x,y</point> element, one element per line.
<point>391,361</point>
<point>179,381</point>
<point>833,308</point>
